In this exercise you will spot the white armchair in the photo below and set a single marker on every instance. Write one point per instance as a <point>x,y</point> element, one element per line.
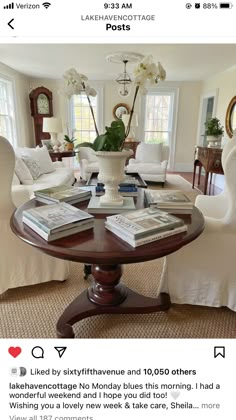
<point>216,205</point>
<point>88,162</point>
<point>151,161</point>
<point>20,264</point>
<point>203,272</point>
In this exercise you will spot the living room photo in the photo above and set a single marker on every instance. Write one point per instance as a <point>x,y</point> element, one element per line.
<point>117,208</point>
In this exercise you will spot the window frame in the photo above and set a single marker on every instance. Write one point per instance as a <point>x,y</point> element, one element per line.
<point>100,109</point>
<point>174,93</point>
<point>12,105</point>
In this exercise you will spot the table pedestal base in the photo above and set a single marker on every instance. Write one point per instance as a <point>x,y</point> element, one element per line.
<point>107,296</point>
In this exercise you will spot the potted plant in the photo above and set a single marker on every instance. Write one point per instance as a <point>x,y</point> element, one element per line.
<point>213,132</point>
<point>109,145</point>
<point>69,142</point>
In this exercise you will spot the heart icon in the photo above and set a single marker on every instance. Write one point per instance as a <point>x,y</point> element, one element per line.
<point>175,394</point>
<point>14,351</point>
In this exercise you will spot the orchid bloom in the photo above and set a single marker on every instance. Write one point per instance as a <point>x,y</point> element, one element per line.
<point>75,84</point>
<point>148,70</point>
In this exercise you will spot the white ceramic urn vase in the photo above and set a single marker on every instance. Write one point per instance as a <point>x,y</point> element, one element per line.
<point>111,174</point>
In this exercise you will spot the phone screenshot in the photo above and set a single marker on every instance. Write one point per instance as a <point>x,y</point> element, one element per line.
<point>117,210</point>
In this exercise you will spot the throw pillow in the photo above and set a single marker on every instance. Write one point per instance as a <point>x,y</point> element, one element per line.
<point>23,172</point>
<point>42,156</point>
<point>151,153</point>
<point>33,167</point>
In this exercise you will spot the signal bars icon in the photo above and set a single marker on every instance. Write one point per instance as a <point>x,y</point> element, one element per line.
<point>46,5</point>
<point>9,6</point>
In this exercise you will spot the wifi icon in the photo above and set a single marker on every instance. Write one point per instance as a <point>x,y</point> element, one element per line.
<point>46,5</point>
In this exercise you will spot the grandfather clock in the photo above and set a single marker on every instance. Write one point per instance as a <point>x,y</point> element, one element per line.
<point>41,106</point>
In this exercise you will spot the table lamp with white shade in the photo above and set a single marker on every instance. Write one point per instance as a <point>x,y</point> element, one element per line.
<point>53,126</point>
<point>134,123</point>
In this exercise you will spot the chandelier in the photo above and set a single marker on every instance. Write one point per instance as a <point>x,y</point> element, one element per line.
<point>124,80</point>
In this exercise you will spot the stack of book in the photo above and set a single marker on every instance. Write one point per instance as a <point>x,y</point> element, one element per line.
<point>62,193</point>
<point>56,221</point>
<point>126,189</point>
<point>95,206</point>
<point>144,226</point>
<point>175,202</point>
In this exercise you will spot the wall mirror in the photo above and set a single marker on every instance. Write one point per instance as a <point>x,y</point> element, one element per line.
<point>230,119</point>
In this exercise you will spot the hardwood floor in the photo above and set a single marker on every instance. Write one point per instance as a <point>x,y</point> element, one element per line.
<point>214,190</point>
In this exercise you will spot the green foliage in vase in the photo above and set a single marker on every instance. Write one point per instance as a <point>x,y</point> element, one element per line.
<point>111,141</point>
<point>69,139</point>
<point>213,127</point>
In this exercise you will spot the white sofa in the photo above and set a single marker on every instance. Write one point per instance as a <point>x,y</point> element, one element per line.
<point>23,185</point>
<point>151,161</point>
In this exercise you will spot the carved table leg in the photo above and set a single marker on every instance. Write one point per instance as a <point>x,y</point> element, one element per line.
<point>194,174</point>
<point>107,296</point>
<point>206,182</point>
<point>199,174</point>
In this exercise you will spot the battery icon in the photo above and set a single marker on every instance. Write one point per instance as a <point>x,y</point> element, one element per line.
<point>226,5</point>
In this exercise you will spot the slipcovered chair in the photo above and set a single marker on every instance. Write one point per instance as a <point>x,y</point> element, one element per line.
<point>216,205</point>
<point>151,162</point>
<point>203,272</point>
<point>88,162</point>
<point>20,264</point>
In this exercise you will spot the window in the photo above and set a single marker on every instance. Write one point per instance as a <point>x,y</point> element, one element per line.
<point>7,111</point>
<point>158,119</point>
<point>81,119</point>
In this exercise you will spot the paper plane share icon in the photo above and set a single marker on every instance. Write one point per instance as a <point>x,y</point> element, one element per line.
<point>60,350</point>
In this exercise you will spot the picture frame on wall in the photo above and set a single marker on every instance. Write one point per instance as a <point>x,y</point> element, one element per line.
<point>48,144</point>
<point>119,110</point>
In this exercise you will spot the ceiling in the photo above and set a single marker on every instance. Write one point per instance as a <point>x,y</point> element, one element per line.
<point>182,62</point>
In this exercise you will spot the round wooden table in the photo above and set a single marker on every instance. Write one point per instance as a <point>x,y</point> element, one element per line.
<point>106,252</point>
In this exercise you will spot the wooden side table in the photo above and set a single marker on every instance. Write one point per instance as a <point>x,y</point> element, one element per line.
<point>210,159</point>
<point>133,146</point>
<point>57,156</point>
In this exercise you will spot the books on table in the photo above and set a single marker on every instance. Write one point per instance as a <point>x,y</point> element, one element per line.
<point>124,191</point>
<point>171,201</point>
<point>128,188</point>
<point>55,221</point>
<point>95,206</point>
<point>62,193</point>
<point>146,239</point>
<point>144,226</point>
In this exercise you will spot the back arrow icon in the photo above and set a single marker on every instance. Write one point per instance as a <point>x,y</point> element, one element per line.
<point>9,24</point>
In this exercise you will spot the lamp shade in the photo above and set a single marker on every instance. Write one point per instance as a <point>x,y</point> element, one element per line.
<point>134,122</point>
<point>52,125</point>
<point>125,119</point>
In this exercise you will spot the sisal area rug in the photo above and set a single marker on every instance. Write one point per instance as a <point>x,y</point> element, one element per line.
<point>32,312</point>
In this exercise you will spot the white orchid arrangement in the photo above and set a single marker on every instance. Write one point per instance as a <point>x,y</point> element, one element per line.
<point>114,137</point>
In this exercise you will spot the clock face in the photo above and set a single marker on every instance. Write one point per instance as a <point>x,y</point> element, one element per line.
<point>43,104</point>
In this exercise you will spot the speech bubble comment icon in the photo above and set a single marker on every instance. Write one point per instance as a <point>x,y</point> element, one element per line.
<point>37,352</point>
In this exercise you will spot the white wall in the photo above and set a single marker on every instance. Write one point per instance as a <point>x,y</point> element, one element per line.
<point>25,134</point>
